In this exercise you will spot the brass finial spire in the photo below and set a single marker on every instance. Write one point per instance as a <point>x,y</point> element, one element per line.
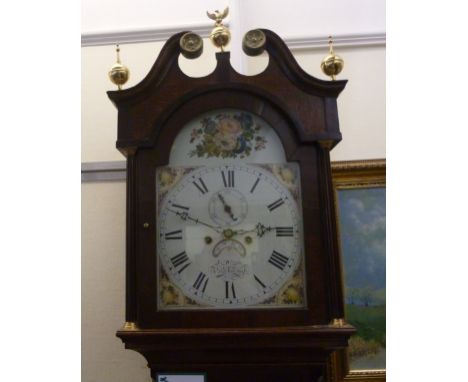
<point>220,35</point>
<point>119,73</point>
<point>330,45</point>
<point>332,64</point>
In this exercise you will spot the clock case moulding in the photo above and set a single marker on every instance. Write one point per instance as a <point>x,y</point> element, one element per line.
<point>233,344</point>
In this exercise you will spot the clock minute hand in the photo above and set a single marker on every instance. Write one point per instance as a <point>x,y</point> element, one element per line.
<point>185,216</point>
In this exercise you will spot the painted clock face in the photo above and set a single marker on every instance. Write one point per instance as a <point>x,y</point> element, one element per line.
<point>230,236</point>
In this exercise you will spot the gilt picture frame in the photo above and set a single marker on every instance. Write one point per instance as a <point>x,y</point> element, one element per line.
<point>359,190</point>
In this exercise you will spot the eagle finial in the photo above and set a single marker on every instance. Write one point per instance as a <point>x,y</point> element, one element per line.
<point>220,35</point>
<point>217,16</point>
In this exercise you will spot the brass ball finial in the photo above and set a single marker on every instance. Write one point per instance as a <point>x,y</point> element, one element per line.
<point>332,64</point>
<point>119,73</point>
<point>220,35</point>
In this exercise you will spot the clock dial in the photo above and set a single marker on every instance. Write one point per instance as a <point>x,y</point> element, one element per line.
<point>229,236</point>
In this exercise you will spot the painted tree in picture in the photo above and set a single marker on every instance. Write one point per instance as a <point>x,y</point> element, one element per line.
<point>362,230</point>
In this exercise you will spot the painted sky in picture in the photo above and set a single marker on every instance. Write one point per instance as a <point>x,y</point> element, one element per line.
<point>362,230</point>
<point>362,225</point>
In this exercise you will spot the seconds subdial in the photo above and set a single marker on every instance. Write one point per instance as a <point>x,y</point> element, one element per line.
<point>228,207</point>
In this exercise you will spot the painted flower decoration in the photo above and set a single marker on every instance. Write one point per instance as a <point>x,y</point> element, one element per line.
<point>227,135</point>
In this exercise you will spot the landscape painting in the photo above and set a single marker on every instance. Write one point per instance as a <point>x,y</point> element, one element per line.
<point>362,235</point>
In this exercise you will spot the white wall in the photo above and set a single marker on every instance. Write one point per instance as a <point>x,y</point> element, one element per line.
<point>104,358</point>
<point>112,15</point>
<point>361,110</point>
<point>292,18</point>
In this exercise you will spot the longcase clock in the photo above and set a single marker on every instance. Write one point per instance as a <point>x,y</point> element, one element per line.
<point>232,267</point>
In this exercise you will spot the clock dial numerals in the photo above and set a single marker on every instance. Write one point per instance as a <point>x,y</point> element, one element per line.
<point>228,178</point>
<point>181,260</point>
<point>200,184</point>
<point>230,290</point>
<point>254,186</point>
<point>278,260</point>
<point>174,235</point>
<point>284,231</point>
<point>277,203</point>
<point>260,282</point>
<point>229,236</point>
<point>201,282</point>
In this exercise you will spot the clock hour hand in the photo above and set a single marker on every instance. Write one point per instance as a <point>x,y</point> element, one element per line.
<point>260,229</point>
<point>185,216</point>
<point>227,208</point>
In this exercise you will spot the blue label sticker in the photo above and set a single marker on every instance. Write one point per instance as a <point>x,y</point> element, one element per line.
<point>180,378</point>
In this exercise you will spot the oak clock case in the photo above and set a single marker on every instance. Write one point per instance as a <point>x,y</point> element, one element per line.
<point>273,289</point>
<point>232,264</point>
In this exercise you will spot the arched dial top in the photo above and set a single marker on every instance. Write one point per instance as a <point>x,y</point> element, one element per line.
<point>226,136</point>
<point>230,237</point>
